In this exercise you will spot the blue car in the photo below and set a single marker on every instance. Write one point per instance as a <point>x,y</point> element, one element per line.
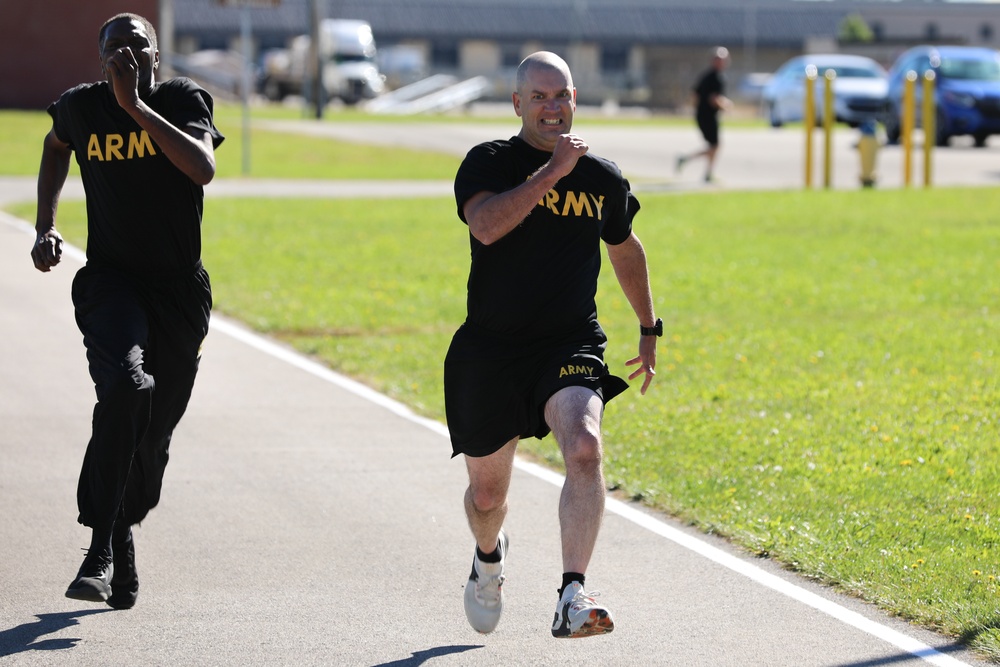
<point>966,92</point>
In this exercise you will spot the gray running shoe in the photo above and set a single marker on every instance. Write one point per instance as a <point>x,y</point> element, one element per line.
<point>484,591</point>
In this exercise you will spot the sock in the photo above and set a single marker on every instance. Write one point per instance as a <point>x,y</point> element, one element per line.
<point>569,578</point>
<point>492,557</point>
<point>100,540</point>
<point>121,533</point>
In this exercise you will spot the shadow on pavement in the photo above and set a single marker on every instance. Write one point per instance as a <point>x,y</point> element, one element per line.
<point>960,644</point>
<point>25,637</point>
<point>916,657</point>
<point>420,657</point>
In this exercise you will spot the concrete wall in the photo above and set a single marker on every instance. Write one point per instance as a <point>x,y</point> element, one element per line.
<point>477,57</point>
<point>48,47</point>
<point>673,71</point>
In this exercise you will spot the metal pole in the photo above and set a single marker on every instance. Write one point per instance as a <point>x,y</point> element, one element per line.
<point>165,32</point>
<point>809,121</point>
<point>907,127</point>
<point>750,38</point>
<point>828,120</point>
<point>930,126</point>
<point>317,58</point>
<point>247,57</point>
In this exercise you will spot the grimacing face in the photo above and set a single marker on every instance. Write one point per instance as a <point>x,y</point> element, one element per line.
<point>546,103</point>
<point>129,33</point>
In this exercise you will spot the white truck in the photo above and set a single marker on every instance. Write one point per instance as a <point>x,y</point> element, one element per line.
<point>347,56</point>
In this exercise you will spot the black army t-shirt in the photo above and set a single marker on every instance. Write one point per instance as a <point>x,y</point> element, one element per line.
<point>540,279</point>
<point>710,84</point>
<point>143,213</point>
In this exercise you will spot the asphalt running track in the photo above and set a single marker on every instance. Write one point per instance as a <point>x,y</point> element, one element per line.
<point>309,520</point>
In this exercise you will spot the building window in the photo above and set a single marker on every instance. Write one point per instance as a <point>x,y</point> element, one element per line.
<point>614,58</point>
<point>510,55</point>
<point>444,55</point>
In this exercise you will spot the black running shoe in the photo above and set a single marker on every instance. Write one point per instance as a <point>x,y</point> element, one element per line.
<point>125,582</point>
<point>93,581</point>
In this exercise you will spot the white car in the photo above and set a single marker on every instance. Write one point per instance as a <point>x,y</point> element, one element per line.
<point>860,89</point>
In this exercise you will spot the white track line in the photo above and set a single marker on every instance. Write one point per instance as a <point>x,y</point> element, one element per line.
<point>904,642</point>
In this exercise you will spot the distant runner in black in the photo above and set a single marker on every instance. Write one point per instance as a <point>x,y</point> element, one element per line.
<point>709,100</point>
<point>142,301</point>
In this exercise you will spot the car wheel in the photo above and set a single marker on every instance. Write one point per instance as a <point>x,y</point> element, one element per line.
<point>773,114</point>
<point>272,90</point>
<point>941,136</point>
<point>980,139</point>
<point>891,128</point>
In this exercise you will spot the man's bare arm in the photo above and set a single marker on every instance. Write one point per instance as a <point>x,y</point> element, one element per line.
<point>492,216</point>
<point>629,262</point>
<point>47,249</point>
<point>189,150</point>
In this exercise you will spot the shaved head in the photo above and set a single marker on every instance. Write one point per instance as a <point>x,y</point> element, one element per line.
<point>542,60</point>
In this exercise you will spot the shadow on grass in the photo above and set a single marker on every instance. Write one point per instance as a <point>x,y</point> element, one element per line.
<point>25,637</point>
<point>420,657</point>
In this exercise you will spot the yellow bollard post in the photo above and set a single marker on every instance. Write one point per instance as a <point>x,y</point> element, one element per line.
<point>906,130</point>
<point>809,121</point>
<point>828,121</point>
<point>868,150</point>
<point>930,126</point>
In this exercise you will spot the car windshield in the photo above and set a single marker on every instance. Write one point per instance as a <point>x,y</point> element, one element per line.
<point>844,71</point>
<point>974,70</point>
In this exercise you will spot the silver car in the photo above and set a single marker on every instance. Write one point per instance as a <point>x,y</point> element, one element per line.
<point>860,89</point>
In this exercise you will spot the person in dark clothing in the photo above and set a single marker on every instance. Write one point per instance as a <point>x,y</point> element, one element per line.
<point>143,299</point>
<point>709,100</point>
<point>529,358</point>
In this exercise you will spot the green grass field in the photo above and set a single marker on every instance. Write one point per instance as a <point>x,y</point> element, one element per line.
<point>273,155</point>
<point>826,394</point>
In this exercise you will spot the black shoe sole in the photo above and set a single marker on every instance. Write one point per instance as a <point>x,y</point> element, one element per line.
<point>88,594</point>
<point>122,601</point>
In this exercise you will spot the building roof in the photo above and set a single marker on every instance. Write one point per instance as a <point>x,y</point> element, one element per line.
<point>771,23</point>
<point>764,23</point>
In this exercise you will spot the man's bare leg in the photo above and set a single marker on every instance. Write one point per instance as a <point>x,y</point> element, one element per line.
<point>486,508</point>
<point>486,496</point>
<point>574,415</point>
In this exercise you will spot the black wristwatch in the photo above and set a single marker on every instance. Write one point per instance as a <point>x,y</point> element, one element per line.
<point>655,330</point>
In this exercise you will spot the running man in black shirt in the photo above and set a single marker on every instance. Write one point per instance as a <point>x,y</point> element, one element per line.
<point>709,100</point>
<point>529,358</point>
<point>145,151</point>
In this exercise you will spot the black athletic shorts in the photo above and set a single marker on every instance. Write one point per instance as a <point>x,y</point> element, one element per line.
<point>495,389</point>
<point>709,126</point>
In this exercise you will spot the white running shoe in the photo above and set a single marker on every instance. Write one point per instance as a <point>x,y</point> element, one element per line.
<point>579,615</point>
<point>484,591</point>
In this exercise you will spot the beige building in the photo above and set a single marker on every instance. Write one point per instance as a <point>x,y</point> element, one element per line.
<point>646,52</point>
